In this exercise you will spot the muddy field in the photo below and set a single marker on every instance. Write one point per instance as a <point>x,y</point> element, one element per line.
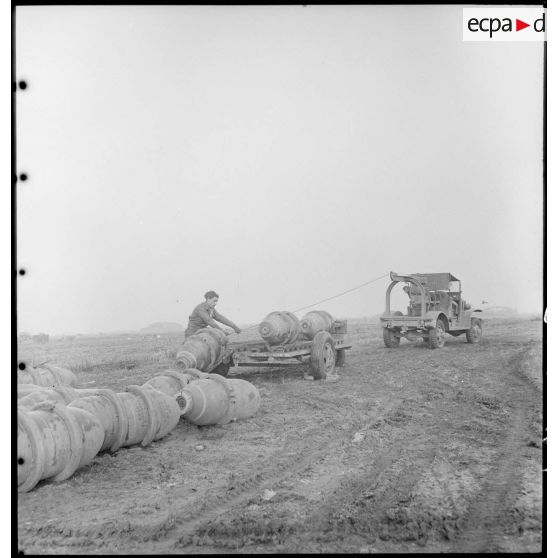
<point>412,450</point>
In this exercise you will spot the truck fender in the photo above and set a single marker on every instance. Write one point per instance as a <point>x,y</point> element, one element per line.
<point>477,315</point>
<point>433,317</point>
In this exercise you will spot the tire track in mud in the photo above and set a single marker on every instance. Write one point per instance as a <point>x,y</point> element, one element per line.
<point>489,511</point>
<point>368,504</point>
<point>376,503</point>
<point>229,534</point>
<point>299,455</point>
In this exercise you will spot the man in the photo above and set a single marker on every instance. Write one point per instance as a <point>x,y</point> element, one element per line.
<point>204,315</point>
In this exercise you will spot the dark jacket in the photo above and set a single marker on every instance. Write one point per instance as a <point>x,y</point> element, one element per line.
<point>202,316</point>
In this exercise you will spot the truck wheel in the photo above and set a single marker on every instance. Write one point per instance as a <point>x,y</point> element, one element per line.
<point>323,355</point>
<point>222,369</point>
<point>437,335</point>
<point>391,341</point>
<point>340,357</point>
<point>474,333</point>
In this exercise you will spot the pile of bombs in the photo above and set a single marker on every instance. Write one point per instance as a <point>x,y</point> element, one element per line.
<point>61,427</point>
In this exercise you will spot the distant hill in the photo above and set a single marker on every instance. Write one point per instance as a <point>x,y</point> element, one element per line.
<point>163,327</point>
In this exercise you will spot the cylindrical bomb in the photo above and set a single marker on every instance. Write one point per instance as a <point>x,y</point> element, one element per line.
<point>151,414</point>
<point>279,328</point>
<point>317,320</point>
<point>109,409</point>
<point>139,415</point>
<point>53,441</point>
<point>46,375</point>
<point>171,381</point>
<point>26,389</point>
<point>59,394</point>
<point>202,351</point>
<point>218,400</point>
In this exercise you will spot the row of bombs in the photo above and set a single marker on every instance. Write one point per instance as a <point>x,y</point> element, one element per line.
<point>282,328</point>
<point>62,428</point>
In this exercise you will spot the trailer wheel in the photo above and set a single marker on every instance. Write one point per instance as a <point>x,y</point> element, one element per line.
<point>222,369</point>
<point>437,335</point>
<point>474,333</point>
<point>391,341</point>
<point>323,355</point>
<point>340,357</point>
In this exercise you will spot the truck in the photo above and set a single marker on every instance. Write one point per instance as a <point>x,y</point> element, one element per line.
<point>436,309</point>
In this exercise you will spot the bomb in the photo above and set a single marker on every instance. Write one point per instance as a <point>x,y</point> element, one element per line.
<point>46,375</point>
<point>59,394</point>
<point>279,328</point>
<point>202,351</point>
<point>317,320</point>
<point>213,399</point>
<point>171,381</point>
<point>53,441</point>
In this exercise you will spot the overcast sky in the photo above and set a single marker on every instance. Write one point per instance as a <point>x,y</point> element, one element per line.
<point>278,155</point>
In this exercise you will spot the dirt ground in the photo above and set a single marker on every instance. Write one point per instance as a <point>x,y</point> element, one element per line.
<point>412,450</point>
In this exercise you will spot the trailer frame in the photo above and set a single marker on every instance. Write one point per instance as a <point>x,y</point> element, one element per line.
<point>323,353</point>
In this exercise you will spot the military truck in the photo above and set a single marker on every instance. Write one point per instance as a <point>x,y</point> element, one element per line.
<point>435,309</point>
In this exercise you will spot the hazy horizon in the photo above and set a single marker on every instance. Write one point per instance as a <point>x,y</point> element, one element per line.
<point>251,325</point>
<point>279,155</point>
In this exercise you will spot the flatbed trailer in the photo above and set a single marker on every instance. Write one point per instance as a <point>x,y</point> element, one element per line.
<point>323,353</point>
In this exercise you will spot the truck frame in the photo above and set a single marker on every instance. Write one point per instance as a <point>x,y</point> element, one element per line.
<point>436,308</point>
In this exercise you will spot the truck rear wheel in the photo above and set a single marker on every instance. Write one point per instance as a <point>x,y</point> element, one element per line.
<point>474,333</point>
<point>437,335</point>
<point>323,355</point>
<point>391,341</point>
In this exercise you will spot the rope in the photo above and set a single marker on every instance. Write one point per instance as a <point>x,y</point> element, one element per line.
<point>329,298</point>
<point>341,294</point>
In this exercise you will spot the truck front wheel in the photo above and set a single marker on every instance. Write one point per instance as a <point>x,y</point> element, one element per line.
<point>391,341</point>
<point>474,333</point>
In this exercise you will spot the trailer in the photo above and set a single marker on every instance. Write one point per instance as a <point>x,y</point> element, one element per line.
<point>323,353</point>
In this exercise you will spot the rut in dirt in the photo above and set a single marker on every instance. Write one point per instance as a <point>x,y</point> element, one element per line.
<point>217,521</point>
<point>491,513</point>
<point>385,504</point>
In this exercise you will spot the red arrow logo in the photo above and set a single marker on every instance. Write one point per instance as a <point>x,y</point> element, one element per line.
<point>519,25</point>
